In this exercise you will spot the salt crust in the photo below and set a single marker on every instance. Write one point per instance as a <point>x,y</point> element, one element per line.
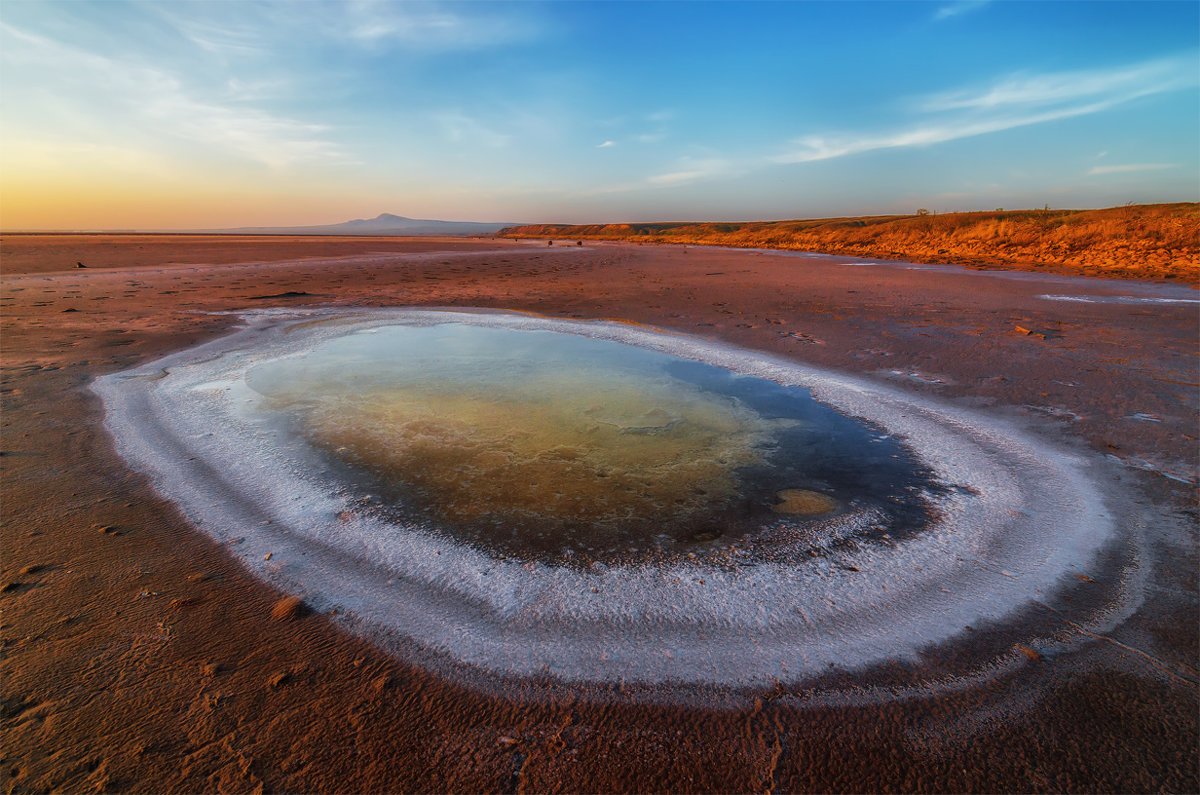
<point>1025,517</point>
<point>1118,299</point>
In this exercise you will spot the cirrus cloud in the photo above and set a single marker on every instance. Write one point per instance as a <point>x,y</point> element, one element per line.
<point>1015,101</point>
<point>1129,168</point>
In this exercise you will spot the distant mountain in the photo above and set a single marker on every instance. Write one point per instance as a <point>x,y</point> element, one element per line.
<point>382,224</point>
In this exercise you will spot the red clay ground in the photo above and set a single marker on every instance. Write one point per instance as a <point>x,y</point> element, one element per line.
<point>138,656</point>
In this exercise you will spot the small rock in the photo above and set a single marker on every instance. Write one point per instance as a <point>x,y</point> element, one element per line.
<point>506,740</point>
<point>279,679</point>
<point>804,502</point>
<point>80,265</point>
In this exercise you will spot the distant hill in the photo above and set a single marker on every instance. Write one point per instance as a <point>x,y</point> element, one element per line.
<point>382,224</point>
<point>1156,241</point>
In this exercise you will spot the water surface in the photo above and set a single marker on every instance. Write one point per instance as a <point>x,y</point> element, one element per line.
<point>541,444</point>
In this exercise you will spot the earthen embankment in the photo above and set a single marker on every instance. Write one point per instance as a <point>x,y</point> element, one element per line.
<point>1153,241</point>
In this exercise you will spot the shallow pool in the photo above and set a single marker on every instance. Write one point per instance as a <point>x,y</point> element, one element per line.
<point>502,497</point>
<point>546,444</point>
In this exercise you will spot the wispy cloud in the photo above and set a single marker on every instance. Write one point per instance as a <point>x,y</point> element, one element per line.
<point>816,147</point>
<point>222,39</point>
<point>433,25</point>
<point>1129,168</point>
<point>270,27</point>
<point>958,8</point>
<point>275,141</point>
<point>1115,85</point>
<point>606,145</point>
<point>693,169</point>
<point>1011,103</point>
<point>254,90</point>
<point>462,128</point>
<point>688,170</point>
<point>678,177</point>
<point>658,126</point>
<point>163,106</point>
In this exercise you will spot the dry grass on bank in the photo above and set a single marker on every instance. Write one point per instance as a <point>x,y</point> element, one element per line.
<point>1152,241</point>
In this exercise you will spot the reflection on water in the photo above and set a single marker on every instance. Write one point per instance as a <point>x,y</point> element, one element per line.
<point>540,443</point>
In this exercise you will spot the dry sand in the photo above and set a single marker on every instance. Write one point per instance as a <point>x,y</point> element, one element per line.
<point>138,656</point>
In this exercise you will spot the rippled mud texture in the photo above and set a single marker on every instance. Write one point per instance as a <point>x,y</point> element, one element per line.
<point>141,656</point>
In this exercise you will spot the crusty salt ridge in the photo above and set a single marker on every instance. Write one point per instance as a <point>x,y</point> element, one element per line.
<point>1033,515</point>
<point>1118,299</point>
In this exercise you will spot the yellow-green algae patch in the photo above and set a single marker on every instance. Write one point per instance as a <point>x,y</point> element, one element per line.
<point>569,446</point>
<point>802,502</point>
<point>554,446</point>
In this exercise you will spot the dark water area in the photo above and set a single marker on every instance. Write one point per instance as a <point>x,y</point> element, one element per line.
<point>824,451</point>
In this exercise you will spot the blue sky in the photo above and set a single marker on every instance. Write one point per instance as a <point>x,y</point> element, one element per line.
<point>156,115</point>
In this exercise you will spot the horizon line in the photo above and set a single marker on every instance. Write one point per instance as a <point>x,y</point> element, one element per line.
<point>285,230</point>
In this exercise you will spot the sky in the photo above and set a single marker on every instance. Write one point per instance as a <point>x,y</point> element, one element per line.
<point>174,115</point>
